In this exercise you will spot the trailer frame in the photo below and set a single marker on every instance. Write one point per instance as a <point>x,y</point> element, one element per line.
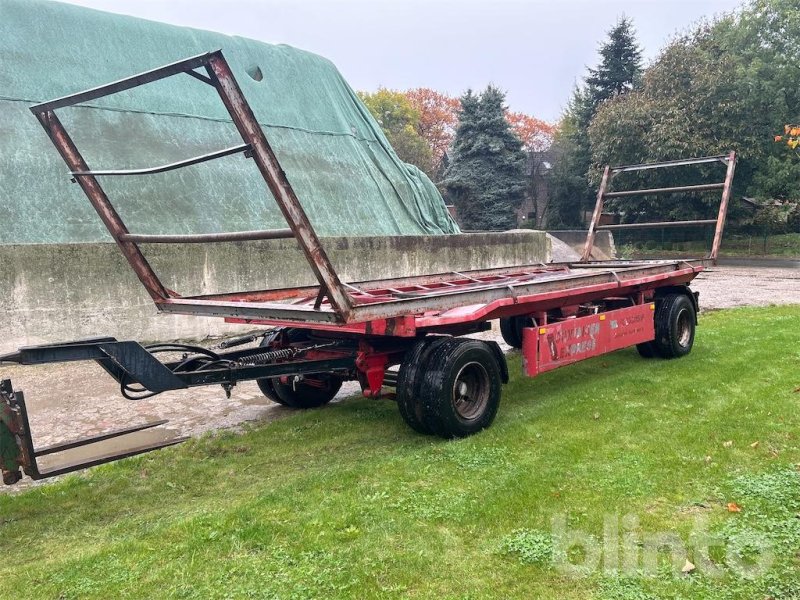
<point>321,335</point>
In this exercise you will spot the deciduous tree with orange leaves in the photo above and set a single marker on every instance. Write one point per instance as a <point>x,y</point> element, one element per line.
<point>420,115</point>
<point>791,135</point>
<point>438,118</point>
<point>536,135</point>
<point>400,122</point>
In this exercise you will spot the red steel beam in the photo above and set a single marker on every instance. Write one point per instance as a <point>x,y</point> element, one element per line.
<point>598,210</point>
<point>723,207</point>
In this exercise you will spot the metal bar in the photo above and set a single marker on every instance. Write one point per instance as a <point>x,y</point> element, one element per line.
<point>723,207</point>
<point>187,64</point>
<point>618,264</point>
<point>464,276</point>
<point>670,163</point>
<point>168,167</point>
<point>598,210</point>
<point>96,438</point>
<point>658,224</point>
<point>682,188</point>
<point>248,310</point>
<point>99,200</point>
<point>201,77</point>
<point>278,184</point>
<point>353,288</point>
<point>210,238</point>
<point>104,458</point>
<point>306,367</point>
<point>29,465</point>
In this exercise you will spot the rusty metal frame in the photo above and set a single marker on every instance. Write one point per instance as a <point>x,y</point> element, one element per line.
<point>14,422</point>
<point>609,172</point>
<point>388,307</point>
<point>219,76</point>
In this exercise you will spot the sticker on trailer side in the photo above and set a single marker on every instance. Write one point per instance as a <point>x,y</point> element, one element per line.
<point>563,343</point>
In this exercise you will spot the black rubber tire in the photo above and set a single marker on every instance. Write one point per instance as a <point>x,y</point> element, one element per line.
<point>511,329</point>
<point>266,387</point>
<point>305,395</point>
<point>266,384</point>
<point>408,382</point>
<point>647,350</point>
<point>465,368</point>
<point>302,394</point>
<point>675,321</point>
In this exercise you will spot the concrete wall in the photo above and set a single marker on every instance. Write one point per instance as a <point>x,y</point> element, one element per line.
<point>61,292</point>
<point>604,248</point>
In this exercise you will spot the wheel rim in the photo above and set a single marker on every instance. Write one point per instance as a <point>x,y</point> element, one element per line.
<point>684,327</point>
<point>471,391</point>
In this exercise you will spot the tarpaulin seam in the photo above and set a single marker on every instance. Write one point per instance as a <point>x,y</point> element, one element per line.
<point>200,117</point>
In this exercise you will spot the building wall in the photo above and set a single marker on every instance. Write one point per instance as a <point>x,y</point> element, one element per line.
<point>61,292</point>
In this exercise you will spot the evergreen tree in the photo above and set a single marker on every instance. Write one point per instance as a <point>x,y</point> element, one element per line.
<point>618,73</point>
<point>486,178</point>
<point>620,66</point>
<point>570,192</point>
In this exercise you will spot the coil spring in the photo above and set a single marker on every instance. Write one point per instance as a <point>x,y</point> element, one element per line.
<point>268,356</point>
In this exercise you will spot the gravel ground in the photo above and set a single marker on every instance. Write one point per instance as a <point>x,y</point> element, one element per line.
<point>740,283</point>
<point>73,400</point>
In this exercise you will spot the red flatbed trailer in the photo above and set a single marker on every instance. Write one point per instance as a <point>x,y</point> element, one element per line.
<point>321,335</point>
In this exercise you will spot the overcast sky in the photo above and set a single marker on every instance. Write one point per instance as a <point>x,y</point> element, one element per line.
<point>534,49</point>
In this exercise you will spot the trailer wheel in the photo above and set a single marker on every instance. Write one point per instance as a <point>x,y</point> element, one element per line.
<point>312,392</point>
<point>408,382</point>
<point>319,390</point>
<point>460,391</point>
<point>675,320</point>
<point>266,387</point>
<point>511,329</point>
<point>266,384</point>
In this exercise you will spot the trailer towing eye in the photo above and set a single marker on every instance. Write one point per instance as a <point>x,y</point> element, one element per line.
<point>18,455</point>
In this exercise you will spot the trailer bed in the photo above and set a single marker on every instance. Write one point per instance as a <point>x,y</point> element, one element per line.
<point>403,306</point>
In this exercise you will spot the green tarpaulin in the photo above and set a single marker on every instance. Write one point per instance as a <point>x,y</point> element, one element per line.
<point>344,171</point>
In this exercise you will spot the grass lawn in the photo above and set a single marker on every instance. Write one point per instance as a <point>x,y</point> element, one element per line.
<point>348,502</point>
<point>784,245</point>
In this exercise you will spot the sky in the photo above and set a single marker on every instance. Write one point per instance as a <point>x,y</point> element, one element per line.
<point>534,50</point>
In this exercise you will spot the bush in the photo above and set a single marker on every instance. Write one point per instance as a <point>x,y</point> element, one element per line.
<point>770,220</point>
<point>793,221</point>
